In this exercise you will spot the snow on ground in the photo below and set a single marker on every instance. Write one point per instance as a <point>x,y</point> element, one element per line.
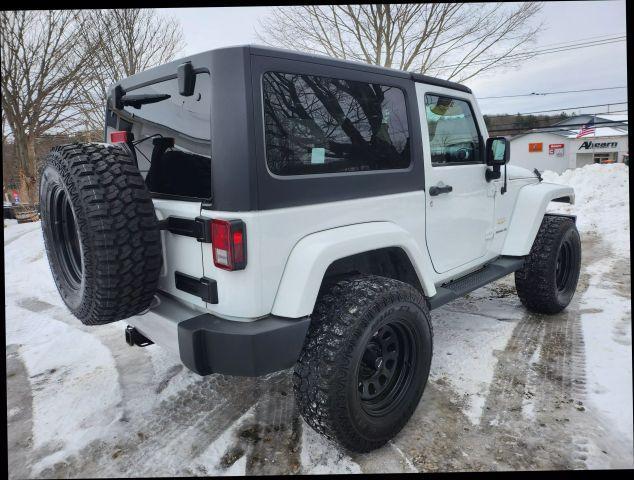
<point>602,209</point>
<point>319,457</point>
<point>100,408</point>
<point>51,349</point>
<point>465,364</point>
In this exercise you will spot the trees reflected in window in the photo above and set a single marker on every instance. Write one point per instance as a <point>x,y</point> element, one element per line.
<point>318,125</point>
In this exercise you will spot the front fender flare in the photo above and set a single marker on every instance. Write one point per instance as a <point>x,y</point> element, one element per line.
<point>528,213</point>
<point>313,254</point>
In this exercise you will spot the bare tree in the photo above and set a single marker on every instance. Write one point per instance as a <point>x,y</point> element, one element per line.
<point>455,41</point>
<point>123,42</point>
<point>40,69</point>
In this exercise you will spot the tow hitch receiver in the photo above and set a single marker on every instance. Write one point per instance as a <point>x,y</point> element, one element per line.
<point>134,337</point>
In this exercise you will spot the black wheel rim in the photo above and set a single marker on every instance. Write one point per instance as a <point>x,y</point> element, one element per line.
<point>565,266</point>
<point>65,237</point>
<point>386,368</point>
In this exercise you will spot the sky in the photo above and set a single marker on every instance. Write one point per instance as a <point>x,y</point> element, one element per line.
<point>592,67</point>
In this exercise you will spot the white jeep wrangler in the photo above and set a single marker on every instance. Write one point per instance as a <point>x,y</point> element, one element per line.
<point>257,209</point>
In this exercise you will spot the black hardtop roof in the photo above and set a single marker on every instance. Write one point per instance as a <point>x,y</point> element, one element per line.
<point>335,62</point>
<point>170,67</point>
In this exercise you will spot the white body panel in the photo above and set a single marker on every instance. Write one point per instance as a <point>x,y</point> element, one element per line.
<point>180,253</point>
<point>273,234</point>
<point>458,224</point>
<point>313,254</point>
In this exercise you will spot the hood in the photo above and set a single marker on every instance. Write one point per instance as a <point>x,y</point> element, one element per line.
<point>514,172</point>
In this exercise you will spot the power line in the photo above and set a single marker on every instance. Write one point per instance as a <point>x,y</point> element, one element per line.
<point>572,108</point>
<point>529,55</point>
<point>551,93</point>
<point>585,39</point>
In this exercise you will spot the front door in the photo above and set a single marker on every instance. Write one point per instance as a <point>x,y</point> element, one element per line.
<point>459,201</point>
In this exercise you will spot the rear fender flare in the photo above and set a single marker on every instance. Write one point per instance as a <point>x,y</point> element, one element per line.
<point>313,254</point>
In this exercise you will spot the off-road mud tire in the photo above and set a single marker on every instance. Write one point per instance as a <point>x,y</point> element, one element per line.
<point>326,381</point>
<point>536,283</point>
<point>100,231</point>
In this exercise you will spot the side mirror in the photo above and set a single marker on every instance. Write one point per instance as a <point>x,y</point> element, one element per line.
<point>186,79</point>
<point>498,151</point>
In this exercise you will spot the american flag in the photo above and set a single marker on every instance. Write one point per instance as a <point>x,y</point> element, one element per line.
<point>587,129</point>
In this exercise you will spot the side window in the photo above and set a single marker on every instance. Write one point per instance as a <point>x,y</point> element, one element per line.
<point>325,125</point>
<point>453,134</point>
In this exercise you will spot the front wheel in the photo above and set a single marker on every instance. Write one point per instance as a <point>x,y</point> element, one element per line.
<point>548,280</point>
<point>365,361</point>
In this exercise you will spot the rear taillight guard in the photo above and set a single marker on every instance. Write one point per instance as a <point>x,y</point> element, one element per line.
<point>229,244</point>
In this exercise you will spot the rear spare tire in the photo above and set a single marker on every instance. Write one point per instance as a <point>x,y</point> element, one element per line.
<point>100,231</point>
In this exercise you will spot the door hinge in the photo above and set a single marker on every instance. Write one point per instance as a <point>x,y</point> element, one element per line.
<point>199,227</point>
<point>204,287</point>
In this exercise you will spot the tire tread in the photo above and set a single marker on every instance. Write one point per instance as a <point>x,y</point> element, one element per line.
<point>118,229</point>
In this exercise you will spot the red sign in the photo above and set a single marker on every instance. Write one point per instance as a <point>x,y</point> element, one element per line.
<point>556,149</point>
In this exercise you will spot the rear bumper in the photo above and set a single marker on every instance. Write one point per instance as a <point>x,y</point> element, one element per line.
<point>208,344</point>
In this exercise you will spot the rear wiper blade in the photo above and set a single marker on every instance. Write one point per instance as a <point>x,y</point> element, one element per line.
<point>136,101</point>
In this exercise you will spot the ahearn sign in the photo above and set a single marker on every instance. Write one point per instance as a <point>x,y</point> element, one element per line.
<point>589,144</point>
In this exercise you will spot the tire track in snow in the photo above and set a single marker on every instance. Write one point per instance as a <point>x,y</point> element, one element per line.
<point>134,367</point>
<point>279,431</point>
<point>19,415</point>
<point>186,422</point>
<point>271,438</point>
<point>535,410</point>
<point>169,437</point>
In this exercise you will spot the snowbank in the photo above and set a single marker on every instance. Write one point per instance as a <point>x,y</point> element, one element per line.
<point>601,203</point>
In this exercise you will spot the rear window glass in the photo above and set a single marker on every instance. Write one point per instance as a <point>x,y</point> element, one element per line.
<point>186,116</point>
<point>319,124</point>
<point>183,169</point>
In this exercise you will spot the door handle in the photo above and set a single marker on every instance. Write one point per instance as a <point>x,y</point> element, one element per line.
<point>437,189</point>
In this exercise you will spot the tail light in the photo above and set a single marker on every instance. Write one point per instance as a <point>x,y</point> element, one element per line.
<point>120,136</point>
<point>228,241</point>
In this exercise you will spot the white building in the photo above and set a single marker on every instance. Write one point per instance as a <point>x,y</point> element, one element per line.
<point>557,147</point>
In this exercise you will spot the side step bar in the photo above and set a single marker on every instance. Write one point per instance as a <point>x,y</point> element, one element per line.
<point>495,270</point>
